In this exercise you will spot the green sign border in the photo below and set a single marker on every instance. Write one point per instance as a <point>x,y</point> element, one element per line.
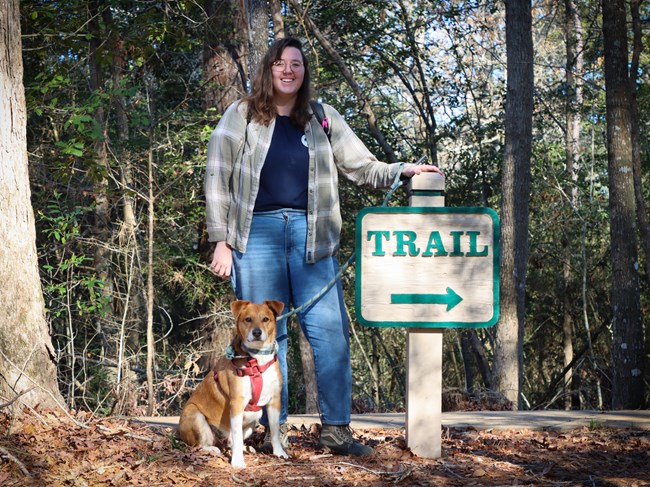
<point>430,210</point>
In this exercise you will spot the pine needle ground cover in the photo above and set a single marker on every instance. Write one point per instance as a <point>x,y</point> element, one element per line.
<point>48,448</point>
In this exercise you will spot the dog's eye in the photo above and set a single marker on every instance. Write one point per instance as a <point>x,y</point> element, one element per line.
<point>265,319</point>
<point>248,319</point>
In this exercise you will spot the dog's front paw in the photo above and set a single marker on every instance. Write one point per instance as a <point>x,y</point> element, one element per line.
<point>212,450</point>
<point>279,452</point>
<point>237,461</point>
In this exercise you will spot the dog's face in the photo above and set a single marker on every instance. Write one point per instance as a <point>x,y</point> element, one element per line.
<point>256,322</point>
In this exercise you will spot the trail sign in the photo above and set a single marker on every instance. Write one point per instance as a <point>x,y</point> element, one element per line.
<point>427,267</point>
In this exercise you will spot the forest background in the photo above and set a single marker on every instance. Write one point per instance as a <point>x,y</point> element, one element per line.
<point>122,96</point>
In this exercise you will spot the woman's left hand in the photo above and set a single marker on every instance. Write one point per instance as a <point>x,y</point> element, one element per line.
<point>411,170</point>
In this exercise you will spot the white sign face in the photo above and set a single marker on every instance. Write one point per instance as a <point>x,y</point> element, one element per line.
<point>427,267</point>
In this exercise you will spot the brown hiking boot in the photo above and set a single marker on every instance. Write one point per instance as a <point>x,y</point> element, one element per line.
<point>338,438</point>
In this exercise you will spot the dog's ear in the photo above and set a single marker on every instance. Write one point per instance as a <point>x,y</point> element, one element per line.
<point>237,306</point>
<point>276,306</point>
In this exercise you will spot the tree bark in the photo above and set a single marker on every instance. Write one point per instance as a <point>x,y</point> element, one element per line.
<point>641,208</point>
<point>644,225</point>
<point>151,219</point>
<point>106,326</point>
<point>257,16</point>
<point>627,337</point>
<point>131,286</point>
<point>27,358</point>
<point>224,75</point>
<point>278,20</point>
<point>573,32</point>
<point>508,352</point>
<point>481,359</point>
<point>468,362</point>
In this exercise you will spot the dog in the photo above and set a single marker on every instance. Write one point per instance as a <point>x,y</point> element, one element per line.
<point>230,398</point>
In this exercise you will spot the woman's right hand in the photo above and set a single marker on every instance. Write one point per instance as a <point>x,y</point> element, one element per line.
<point>222,260</point>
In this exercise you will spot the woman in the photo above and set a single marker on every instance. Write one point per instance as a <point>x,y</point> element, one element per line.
<point>272,207</point>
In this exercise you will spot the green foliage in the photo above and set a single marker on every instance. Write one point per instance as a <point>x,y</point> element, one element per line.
<point>68,288</point>
<point>176,442</point>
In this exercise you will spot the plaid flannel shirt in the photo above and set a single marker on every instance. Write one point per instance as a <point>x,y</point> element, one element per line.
<point>236,152</point>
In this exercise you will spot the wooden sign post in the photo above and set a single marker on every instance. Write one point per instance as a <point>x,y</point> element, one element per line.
<point>426,267</point>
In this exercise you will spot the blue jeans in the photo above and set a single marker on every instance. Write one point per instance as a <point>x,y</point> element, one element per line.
<point>274,267</point>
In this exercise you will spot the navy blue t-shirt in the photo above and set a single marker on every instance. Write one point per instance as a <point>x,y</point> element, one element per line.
<point>285,173</point>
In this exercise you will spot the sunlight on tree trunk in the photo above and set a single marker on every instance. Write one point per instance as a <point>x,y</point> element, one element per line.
<point>151,219</point>
<point>257,16</point>
<point>627,326</point>
<point>508,352</point>
<point>26,352</point>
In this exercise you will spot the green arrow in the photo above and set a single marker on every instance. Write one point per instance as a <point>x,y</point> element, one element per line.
<point>451,299</point>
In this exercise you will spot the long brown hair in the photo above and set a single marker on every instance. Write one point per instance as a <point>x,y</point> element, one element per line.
<point>261,108</point>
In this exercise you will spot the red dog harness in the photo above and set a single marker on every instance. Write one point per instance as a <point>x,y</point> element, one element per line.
<point>254,371</point>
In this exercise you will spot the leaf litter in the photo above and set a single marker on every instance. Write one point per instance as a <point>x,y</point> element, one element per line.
<point>54,449</point>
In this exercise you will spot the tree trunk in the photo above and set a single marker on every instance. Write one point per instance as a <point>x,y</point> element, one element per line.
<point>481,359</point>
<point>131,307</point>
<point>278,20</point>
<point>468,359</point>
<point>508,352</point>
<point>27,360</point>
<point>375,369</point>
<point>224,75</point>
<point>641,209</point>
<point>106,326</point>
<point>627,340</point>
<point>573,31</point>
<point>257,14</point>
<point>644,225</point>
<point>151,344</point>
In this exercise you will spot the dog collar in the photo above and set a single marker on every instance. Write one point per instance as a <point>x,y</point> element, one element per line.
<point>232,354</point>
<point>270,350</point>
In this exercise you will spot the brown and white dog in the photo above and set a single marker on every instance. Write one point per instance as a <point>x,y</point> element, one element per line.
<point>231,397</point>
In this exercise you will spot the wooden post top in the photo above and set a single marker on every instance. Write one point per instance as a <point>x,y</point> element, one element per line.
<point>426,181</point>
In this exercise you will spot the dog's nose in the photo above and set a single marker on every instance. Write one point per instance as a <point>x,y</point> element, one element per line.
<point>257,332</point>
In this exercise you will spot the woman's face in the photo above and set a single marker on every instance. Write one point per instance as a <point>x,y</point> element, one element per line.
<point>288,74</point>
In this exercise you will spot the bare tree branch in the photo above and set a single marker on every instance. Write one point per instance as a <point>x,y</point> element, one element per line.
<point>349,77</point>
<point>7,404</point>
<point>4,453</point>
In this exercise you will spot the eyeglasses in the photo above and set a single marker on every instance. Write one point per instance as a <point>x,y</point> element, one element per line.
<point>280,65</point>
